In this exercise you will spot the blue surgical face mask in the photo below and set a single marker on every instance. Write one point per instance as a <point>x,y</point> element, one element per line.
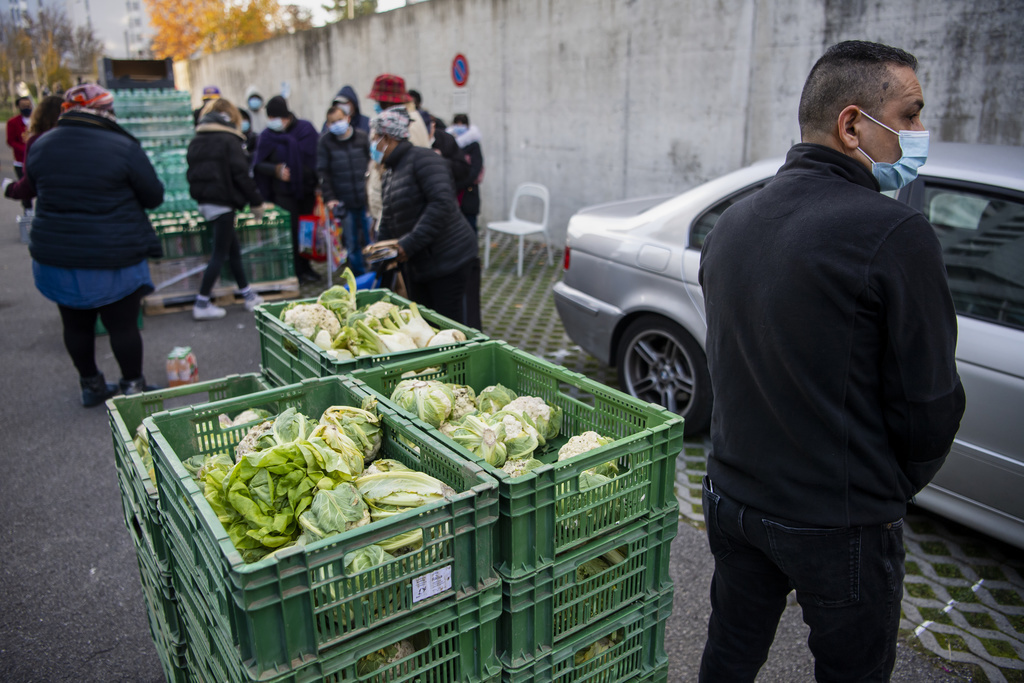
<point>245,126</point>
<point>914,146</point>
<point>458,129</point>
<point>255,103</point>
<point>377,108</point>
<point>276,125</point>
<point>375,153</point>
<point>339,127</point>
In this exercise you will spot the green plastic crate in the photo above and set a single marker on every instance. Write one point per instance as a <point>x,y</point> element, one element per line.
<point>544,513</point>
<point>187,233</point>
<point>638,654</point>
<point>542,611</point>
<point>282,612</point>
<point>453,641</point>
<point>163,615</point>
<point>288,357</point>
<point>138,491</point>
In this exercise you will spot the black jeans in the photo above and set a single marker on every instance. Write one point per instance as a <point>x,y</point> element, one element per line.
<point>225,246</point>
<point>444,294</point>
<point>848,582</point>
<point>121,319</point>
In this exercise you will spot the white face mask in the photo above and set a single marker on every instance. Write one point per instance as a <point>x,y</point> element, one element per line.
<point>275,124</point>
<point>914,148</point>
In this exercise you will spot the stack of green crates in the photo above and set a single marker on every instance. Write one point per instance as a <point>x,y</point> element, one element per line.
<point>560,620</point>
<point>286,356</point>
<point>142,514</point>
<point>297,616</point>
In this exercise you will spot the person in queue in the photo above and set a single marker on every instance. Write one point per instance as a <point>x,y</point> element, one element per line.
<point>435,244</point>
<point>90,248</point>
<point>343,154</point>
<point>831,339</point>
<point>44,118</point>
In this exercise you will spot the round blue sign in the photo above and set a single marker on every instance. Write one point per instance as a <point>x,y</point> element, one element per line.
<point>460,70</point>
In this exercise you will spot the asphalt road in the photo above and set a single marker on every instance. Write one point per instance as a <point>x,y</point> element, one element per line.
<point>71,607</point>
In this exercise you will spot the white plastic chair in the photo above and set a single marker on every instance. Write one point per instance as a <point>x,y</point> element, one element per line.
<point>520,227</point>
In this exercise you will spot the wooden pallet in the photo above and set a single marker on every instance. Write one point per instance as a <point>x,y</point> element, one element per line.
<point>160,303</point>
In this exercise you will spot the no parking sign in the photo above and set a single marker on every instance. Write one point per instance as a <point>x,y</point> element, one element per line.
<point>460,70</point>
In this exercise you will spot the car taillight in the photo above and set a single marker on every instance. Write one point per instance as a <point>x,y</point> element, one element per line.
<point>565,259</point>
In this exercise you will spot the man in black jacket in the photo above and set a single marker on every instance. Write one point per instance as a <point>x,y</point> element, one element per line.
<point>831,339</point>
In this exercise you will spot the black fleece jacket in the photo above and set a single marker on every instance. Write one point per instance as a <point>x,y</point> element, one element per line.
<point>831,340</point>
<point>341,164</point>
<point>218,168</point>
<point>420,211</point>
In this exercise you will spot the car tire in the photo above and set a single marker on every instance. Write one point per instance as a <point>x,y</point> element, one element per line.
<point>660,362</point>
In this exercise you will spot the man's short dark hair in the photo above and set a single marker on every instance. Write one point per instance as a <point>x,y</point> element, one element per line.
<point>23,97</point>
<point>416,97</point>
<point>852,72</point>
<point>461,118</point>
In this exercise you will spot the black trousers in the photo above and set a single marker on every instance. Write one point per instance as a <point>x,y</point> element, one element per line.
<point>848,582</point>
<point>121,320</point>
<point>445,294</point>
<point>225,246</point>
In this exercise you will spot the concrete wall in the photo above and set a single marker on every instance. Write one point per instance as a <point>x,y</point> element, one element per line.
<point>606,99</point>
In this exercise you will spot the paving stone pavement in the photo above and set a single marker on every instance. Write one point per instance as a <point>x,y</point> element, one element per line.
<point>963,594</point>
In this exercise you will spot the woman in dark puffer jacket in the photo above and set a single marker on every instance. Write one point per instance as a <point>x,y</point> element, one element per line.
<point>91,237</point>
<point>219,180</point>
<point>434,241</point>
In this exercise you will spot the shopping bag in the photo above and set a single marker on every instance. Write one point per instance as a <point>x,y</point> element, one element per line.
<point>313,234</point>
<point>335,233</point>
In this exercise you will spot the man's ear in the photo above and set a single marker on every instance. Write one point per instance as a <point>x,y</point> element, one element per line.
<point>846,128</point>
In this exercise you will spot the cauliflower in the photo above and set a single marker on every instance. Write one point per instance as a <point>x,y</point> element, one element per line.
<point>581,443</point>
<point>536,408</point>
<point>248,442</point>
<point>517,468</point>
<point>465,401</point>
<point>381,309</point>
<point>308,319</point>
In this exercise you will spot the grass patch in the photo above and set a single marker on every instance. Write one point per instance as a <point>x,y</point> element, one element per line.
<point>999,648</point>
<point>912,568</point>
<point>936,615</point>
<point>920,590</point>
<point>948,571</point>
<point>980,620</point>
<point>921,526</point>
<point>1016,621</point>
<point>1006,596</point>
<point>962,594</point>
<point>697,466</point>
<point>951,641</point>
<point>695,478</point>
<point>989,572</point>
<point>975,550</point>
<point>935,548</point>
<point>697,509</point>
<point>1013,675</point>
<point>694,451</point>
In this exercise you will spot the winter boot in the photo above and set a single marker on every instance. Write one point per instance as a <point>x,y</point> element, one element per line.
<point>95,390</point>
<point>136,386</point>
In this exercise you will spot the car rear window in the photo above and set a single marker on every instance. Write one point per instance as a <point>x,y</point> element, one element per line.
<point>702,226</point>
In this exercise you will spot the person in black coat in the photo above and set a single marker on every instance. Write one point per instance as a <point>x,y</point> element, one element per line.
<point>467,137</point>
<point>435,243</point>
<point>219,180</point>
<point>342,156</point>
<point>91,236</point>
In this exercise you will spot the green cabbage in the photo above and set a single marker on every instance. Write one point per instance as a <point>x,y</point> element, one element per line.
<point>365,558</point>
<point>494,398</point>
<point>360,425</point>
<point>335,510</point>
<point>401,490</point>
<point>430,400</point>
<point>482,438</point>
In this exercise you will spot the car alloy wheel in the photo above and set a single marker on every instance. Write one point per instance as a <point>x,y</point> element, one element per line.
<point>659,362</point>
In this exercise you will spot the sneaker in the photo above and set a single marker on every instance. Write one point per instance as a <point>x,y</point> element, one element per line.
<point>95,390</point>
<point>252,301</point>
<point>208,312</point>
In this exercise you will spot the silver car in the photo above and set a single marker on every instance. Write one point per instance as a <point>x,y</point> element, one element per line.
<point>630,297</point>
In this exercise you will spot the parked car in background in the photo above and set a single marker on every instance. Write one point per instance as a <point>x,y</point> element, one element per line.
<point>630,297</point>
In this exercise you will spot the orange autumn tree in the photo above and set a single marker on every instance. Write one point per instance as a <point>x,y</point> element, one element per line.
<point>184,28</point>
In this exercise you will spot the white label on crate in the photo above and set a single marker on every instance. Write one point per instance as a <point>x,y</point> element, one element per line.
<point>432,584</point>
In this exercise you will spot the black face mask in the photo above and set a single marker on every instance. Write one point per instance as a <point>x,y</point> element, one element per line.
<point>26,111</point>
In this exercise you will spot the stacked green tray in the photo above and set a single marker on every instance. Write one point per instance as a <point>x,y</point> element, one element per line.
<point>544,514</point>
<point>289,357</point>
<point>299,606</point>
